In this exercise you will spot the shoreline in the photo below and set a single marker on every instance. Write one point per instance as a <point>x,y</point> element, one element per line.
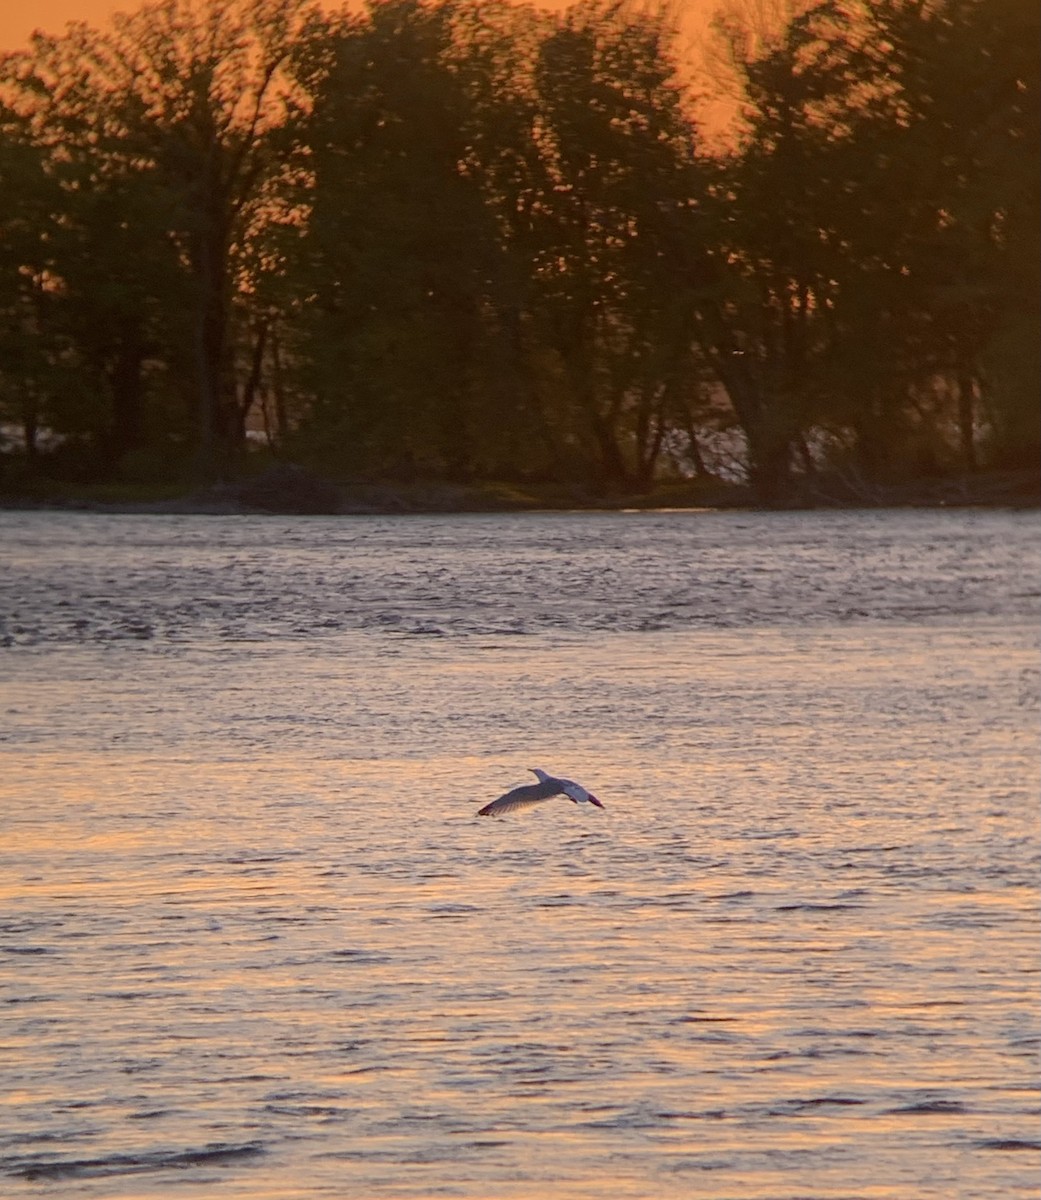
<point>288,491</point>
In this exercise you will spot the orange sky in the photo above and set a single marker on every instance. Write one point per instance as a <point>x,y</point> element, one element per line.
<point>18,18</point>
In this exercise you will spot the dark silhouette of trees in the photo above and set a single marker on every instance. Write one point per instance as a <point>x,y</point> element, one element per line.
<point>166,138</point>
<point>29,345</point>
<point>466,241</point>
<point>875,195</point>
<point>404,265</point>
<point>613,300</point>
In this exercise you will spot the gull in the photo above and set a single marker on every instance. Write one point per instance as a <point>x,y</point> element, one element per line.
<point>534,793</point>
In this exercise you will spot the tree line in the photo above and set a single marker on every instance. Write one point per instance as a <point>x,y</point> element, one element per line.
<point>468,240</point>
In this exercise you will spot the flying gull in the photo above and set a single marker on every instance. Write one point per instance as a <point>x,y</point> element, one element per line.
<point>534,793</point>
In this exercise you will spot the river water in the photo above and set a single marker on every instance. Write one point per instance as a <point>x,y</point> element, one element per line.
<point>254,941</point>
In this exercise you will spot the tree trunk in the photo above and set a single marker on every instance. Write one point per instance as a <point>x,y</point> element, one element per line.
<point>967,417</point>
<point>30,434</point>
<point>614,475</point>
<point>251,388</point>
<point>210,349</point>
<point>694,450</point>
<point>769,444</point>
<point>126,378</point>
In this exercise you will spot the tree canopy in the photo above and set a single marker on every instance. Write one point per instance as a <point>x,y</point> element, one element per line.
<point>466,240</point>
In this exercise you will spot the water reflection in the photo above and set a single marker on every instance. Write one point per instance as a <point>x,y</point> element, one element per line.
<point>254,938</point>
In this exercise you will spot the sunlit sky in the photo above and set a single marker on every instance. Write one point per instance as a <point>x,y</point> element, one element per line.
<point>18,18</point>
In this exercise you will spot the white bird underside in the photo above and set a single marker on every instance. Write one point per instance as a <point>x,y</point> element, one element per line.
<point>529,794</point>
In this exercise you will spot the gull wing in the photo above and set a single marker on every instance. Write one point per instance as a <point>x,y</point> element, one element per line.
<point>522,797</point>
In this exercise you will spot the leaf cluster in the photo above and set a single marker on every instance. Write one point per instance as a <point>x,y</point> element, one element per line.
<point>462,240</point>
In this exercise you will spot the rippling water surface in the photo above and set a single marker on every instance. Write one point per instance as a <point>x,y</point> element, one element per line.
<point>255,943</point>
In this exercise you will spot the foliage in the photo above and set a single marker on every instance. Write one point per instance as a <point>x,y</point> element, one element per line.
<point>888,156</point>
<point>461,241</point>
<point>165,138</point>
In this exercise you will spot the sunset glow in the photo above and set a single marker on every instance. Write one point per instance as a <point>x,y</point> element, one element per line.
<point>403,401</point>
<point>19,20</point>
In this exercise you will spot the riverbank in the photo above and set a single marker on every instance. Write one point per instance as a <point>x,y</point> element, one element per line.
<point>289,490</point>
